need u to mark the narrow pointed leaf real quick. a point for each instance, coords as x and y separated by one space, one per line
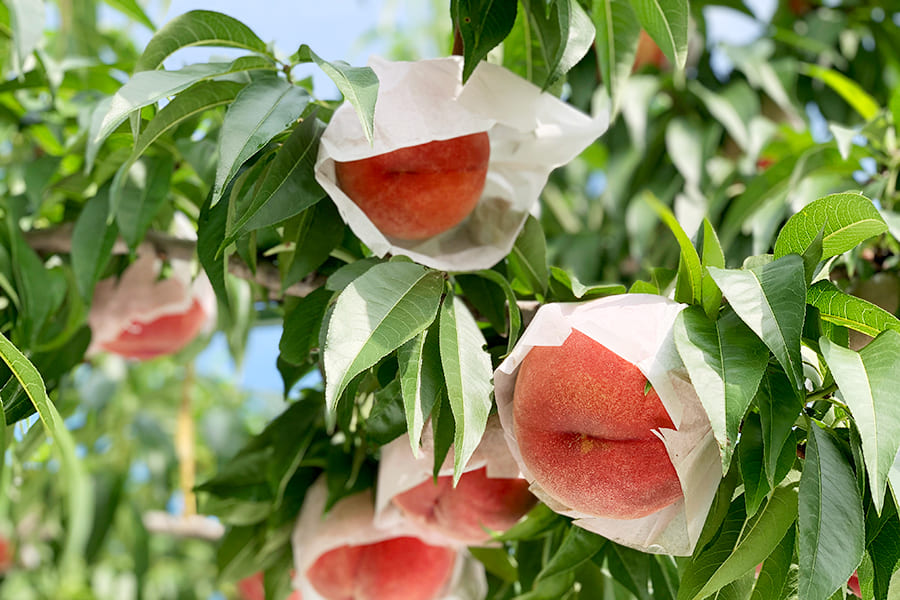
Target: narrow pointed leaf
750 459
483 24
144 189
831 533
842 309
779 406
849 90
359 86
92 242
377 313
726 362
690 266
420 381
146 88
133 10
771 300
618 31
667 23
845 220
467 372
712 255
197 28
562 33
869 381
758 540
578 547
772 581
289 186
708 558
79 507
260 111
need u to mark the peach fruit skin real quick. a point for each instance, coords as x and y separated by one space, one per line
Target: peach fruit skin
165 335
418 192
584 424
478 504
403 568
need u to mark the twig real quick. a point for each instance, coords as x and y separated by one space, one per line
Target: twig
184 444
58 240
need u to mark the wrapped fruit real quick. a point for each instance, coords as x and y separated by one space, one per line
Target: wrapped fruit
601 416
454 169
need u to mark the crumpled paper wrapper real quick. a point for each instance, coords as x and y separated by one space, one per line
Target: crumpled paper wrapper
637 327
350 523
399 471
531 133
140 296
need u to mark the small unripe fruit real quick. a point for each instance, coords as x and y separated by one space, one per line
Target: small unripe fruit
585 420
418 192
403 568
478 504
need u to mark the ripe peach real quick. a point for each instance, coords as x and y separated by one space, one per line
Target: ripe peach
584 422
253 588
477 503
648 53
418 192
164 335
403 568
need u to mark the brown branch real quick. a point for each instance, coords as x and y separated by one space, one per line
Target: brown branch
58 240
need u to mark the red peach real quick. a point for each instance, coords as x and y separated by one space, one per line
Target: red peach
477 503
164 335
253 588
403 568
584 422
418 192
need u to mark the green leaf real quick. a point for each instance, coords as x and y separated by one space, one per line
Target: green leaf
733 106
845 220
89 257
79 507
482 24
772 581
868 381
618 31
573 289
300 333
359 85
467 372
210 231
191 103
528 259
563 33
260 111
831 534
146 88
144 189
759 538
578 547
849 90
289 186
709 557
690 260
712 256
630 568
377 313
131 9
726 362
197 28
845 310
320 230
667 23
771 300
751 461
515 315
779 405
27 24
421 380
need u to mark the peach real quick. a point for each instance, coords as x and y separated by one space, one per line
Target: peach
585 420
403 568
477 505
164 335
417 192
253 588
